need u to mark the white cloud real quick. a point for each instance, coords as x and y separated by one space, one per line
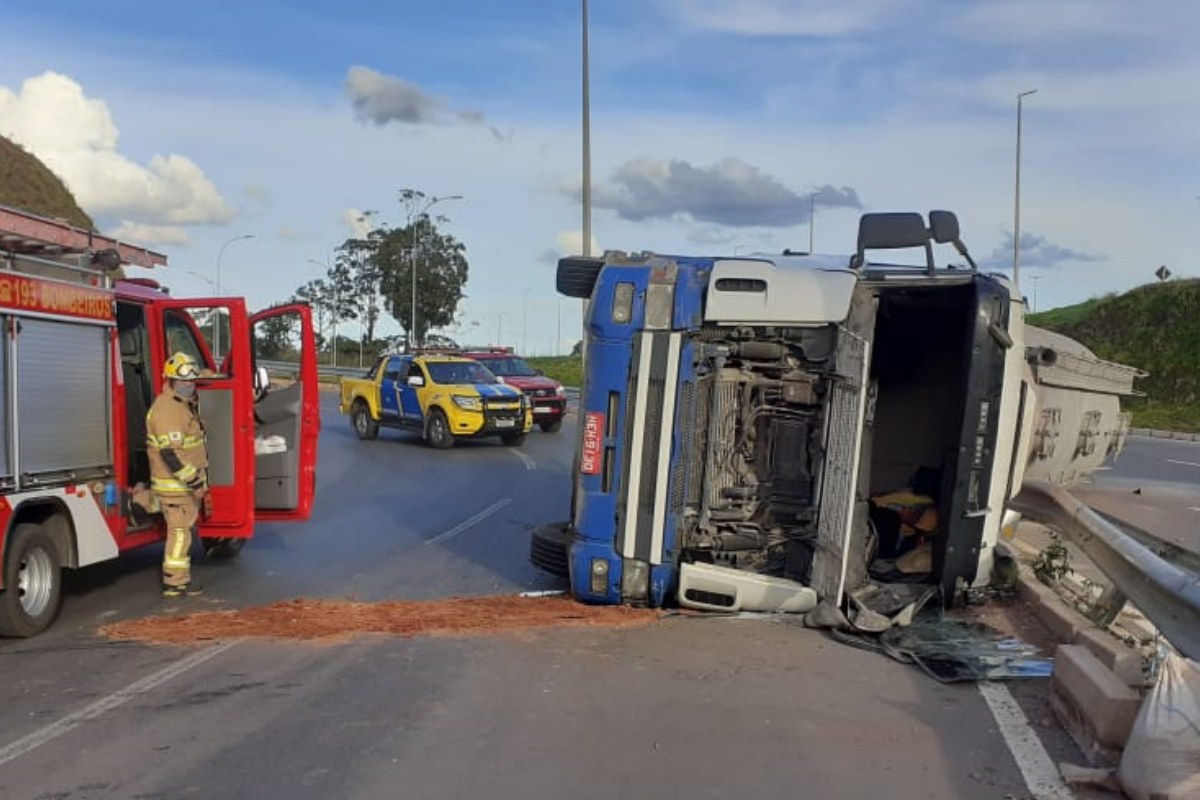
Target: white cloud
357 222
144 234
77 137
783 17
570 243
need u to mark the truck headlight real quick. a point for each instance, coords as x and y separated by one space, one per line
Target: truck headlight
599 571
466 402
635 580
622 309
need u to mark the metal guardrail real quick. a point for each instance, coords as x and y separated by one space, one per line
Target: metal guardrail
1167 593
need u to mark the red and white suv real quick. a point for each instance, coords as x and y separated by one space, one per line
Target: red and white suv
547 395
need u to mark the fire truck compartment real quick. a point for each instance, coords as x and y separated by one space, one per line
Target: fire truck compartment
58 398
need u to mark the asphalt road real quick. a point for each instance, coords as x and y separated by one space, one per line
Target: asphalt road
705 708
1154 485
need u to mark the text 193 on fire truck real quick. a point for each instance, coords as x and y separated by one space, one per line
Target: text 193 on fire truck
772 432
81 361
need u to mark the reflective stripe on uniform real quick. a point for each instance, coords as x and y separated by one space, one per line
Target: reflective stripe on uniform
186 472
169 486
192 441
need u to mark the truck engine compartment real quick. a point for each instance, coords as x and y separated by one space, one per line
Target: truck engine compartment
763 427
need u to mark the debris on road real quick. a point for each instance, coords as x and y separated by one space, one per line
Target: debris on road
340 619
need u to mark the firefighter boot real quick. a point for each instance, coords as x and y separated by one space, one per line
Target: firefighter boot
183 590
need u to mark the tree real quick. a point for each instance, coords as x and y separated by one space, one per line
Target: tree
273 338
441 271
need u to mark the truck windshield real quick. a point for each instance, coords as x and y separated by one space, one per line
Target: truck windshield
451 372
510 366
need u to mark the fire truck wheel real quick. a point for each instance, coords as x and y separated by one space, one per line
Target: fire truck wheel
223 548
32 582
554 426
364 426
437 430
512 439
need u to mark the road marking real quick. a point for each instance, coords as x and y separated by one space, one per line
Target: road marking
1184 463
118 698
469 523
1039 772
1193 508
529 462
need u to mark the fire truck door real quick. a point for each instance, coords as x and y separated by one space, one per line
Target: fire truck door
198 327
287 415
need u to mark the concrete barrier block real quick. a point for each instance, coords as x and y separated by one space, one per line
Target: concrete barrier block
1095 707
1064 622
1122 660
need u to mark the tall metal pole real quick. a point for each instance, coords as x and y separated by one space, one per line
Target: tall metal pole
587 170
220 253
1017 200
333 315
812 214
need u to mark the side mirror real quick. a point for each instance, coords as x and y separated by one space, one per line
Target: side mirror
262 381
944 227
416 381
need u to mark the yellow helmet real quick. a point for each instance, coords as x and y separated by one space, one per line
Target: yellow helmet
181 367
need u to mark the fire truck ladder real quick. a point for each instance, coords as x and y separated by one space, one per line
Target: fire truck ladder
48 248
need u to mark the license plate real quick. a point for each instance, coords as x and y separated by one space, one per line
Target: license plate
543 410
506 423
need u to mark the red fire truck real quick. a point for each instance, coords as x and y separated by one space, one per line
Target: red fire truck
81 357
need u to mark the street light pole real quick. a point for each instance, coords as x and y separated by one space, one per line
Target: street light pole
499 329
220 253
416 240
1017 200
1035 279
333 314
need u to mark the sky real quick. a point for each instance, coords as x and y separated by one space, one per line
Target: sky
715 126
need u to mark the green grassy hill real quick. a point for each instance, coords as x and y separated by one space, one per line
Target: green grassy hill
1154 327
28 184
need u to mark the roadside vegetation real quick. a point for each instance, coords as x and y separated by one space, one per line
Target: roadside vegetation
29 185
1156 328
567 370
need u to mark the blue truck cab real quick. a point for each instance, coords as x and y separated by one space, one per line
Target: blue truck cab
741 417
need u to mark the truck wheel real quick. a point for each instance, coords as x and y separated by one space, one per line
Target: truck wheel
223 548
554 426
437 431
512 439
364 426
32 582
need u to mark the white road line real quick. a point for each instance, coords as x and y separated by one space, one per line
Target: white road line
469 523
68 723
1184 463
1193 508
530 464
1041 776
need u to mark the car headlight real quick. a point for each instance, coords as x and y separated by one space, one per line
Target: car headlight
466 402
560 392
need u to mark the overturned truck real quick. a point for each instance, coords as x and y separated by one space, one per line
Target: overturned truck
770 432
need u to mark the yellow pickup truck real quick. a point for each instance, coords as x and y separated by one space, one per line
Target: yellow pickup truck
444 398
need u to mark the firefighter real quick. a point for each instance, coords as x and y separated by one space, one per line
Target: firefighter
178 468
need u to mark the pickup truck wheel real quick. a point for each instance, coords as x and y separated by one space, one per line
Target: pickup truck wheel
32 582
360 418
512 439
553 426
437 430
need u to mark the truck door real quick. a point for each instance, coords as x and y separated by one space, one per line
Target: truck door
967 479
410 403
226 402
287 418
389 386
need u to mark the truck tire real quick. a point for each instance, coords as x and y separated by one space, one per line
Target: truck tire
360 417
32 582
437 430
223 548
576 276
553 426
512 439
